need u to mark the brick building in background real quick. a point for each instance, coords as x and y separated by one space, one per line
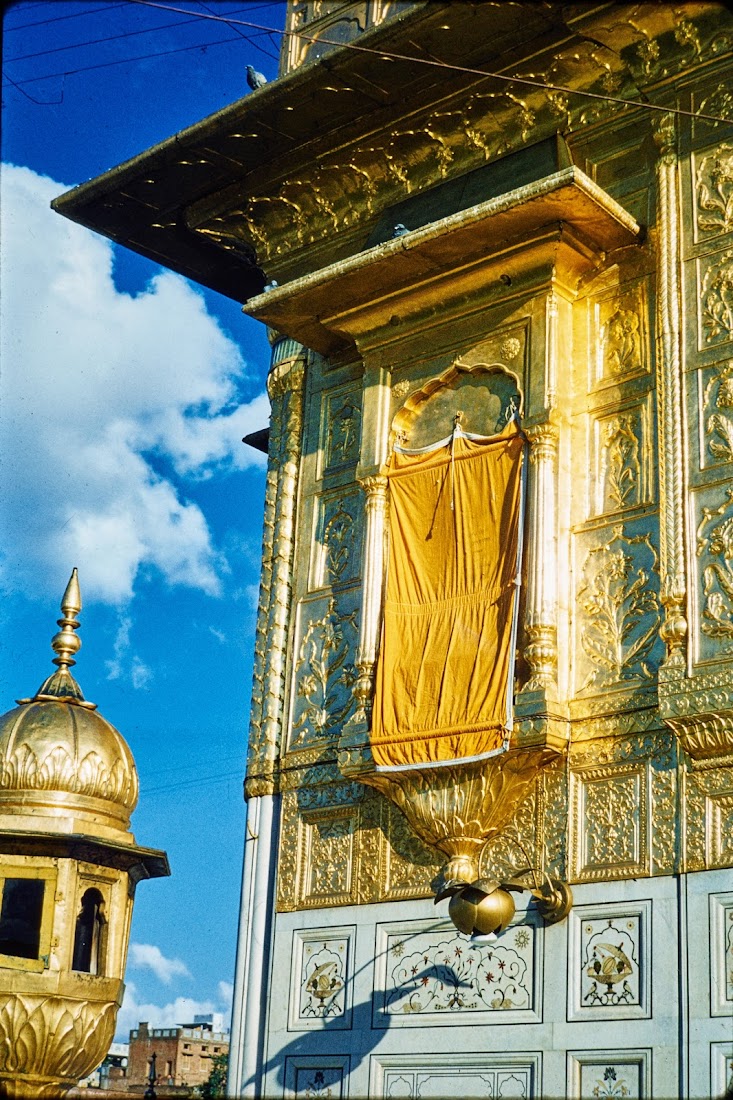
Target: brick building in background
185 1054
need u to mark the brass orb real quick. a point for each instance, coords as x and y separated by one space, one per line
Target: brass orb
481 908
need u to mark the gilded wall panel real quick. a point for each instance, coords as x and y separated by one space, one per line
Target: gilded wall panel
324 673
336 548
327 864
617 606
715 299
708 813
408 867
609 822
622 443
714 566
340 430
716 414
712 174
620 334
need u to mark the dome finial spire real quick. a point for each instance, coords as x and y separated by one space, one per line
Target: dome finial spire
61 684
66 643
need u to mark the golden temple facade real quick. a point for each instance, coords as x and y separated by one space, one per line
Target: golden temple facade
469 214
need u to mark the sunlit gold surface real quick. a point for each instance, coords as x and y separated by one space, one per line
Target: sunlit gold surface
620 344
68 785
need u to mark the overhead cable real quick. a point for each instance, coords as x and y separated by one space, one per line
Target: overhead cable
391 56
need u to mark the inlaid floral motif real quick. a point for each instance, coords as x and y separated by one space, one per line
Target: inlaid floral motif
610 963
323 979
612 1084
449 975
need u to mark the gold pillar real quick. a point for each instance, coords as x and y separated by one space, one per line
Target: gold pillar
669 401
285 388
541 596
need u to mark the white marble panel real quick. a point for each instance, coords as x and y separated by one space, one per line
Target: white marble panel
611 1073
430 974
320 985
610 967
721 1069
721 954
314 1078
470 1076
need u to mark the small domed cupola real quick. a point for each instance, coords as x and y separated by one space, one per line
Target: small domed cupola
57 752
68 870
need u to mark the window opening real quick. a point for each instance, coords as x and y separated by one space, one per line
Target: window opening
89 935
20 917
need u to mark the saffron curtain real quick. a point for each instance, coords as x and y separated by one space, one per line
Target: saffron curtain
443 674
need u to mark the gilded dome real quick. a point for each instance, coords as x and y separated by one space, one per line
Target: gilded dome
58 753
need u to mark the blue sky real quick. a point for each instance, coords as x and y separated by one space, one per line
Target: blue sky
125 394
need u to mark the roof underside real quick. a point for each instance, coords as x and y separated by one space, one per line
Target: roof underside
176 203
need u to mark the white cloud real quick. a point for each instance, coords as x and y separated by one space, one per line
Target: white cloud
180 1011
146 956
101 391
124 665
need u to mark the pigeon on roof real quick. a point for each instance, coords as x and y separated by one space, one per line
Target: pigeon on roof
254 79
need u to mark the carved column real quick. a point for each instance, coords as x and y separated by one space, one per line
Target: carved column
285 387
375 542
669 400
541 596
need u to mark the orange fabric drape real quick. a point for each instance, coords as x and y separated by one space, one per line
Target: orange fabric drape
444 661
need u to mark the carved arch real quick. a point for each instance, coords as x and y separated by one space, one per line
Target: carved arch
486 393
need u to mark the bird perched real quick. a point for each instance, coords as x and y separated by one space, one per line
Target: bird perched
254 79
399 230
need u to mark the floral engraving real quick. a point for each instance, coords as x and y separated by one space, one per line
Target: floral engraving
618 595
621 468
715 191
719 102
343 426
621 343
612 809
715 545
323 979
719 424
324 675
610 966
716 297
331 844
454 1079
450 975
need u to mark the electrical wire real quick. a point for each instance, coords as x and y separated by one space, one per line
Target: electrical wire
391 56
38 102
97 41
58 18
140 57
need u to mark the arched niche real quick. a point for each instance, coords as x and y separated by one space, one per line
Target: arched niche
486 395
